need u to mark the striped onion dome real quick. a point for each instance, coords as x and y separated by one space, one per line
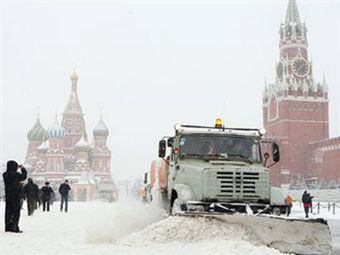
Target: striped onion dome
56 131
37 133
82 145
101 129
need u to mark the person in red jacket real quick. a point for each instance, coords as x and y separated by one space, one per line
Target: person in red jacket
307 202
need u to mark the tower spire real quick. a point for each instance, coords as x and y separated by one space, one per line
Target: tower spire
73 104
292 12
74 77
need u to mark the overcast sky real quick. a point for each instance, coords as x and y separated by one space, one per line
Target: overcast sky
148 65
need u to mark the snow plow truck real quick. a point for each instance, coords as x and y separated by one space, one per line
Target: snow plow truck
222 173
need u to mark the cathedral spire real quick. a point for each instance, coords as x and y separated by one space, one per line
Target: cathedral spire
74 77
73 104
292 12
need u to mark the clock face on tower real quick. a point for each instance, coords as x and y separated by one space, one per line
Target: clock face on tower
300 67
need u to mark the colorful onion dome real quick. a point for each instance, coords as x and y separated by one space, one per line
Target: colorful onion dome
37 133
56 131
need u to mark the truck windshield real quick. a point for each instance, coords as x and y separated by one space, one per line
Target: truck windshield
220 147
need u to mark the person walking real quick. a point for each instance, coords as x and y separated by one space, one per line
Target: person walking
306 200
64 189
12 179
46 196
31 191
289 202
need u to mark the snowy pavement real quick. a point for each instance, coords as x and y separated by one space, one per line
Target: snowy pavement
128 228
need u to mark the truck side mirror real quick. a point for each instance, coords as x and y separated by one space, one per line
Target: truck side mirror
145 178
162 148
276 152
171 142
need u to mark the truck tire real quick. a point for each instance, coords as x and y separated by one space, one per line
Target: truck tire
276 211
176 207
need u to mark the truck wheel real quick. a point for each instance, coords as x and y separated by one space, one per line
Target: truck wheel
176 207
276 211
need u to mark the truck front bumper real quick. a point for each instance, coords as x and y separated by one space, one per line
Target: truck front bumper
224 207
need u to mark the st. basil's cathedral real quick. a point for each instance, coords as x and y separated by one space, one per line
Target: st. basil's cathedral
62 152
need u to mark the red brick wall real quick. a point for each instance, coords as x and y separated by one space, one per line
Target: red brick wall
324 160
297 124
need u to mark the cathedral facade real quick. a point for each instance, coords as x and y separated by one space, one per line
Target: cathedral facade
295 111
62 152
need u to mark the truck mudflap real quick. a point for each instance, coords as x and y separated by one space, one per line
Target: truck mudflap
288 235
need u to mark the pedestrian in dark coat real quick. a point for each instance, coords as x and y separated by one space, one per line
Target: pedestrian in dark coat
12 180
306 200
46 196
64 189
32 194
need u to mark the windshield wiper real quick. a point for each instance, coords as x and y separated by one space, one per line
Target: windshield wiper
218 156
241 157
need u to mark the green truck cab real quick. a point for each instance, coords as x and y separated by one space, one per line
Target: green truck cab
217 169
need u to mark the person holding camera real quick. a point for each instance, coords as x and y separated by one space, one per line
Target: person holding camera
12 179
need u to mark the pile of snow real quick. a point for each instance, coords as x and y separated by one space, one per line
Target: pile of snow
199 236
133 226
189 229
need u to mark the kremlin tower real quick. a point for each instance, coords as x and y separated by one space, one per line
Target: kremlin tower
295 109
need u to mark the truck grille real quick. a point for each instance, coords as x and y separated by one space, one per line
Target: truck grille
237 185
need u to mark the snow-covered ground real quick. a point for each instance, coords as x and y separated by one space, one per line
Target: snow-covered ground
130 228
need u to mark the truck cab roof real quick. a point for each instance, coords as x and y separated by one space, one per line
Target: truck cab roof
189 129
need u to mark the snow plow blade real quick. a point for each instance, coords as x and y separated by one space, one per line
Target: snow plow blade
288 235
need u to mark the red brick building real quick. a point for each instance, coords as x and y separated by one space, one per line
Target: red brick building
295 111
